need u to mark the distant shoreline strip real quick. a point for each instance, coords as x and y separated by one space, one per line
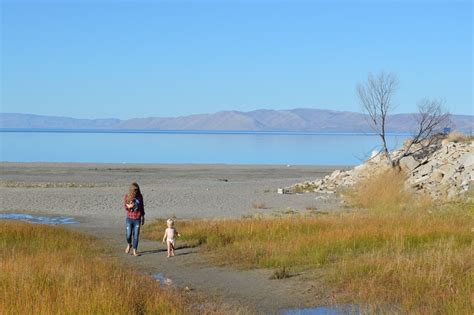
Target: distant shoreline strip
199 132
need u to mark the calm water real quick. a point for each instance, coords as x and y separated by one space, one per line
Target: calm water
55 220
190 147
325 310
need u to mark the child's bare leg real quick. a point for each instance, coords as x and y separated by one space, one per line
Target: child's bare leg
172 249
169 248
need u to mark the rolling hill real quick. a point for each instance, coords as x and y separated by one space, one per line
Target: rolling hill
300 119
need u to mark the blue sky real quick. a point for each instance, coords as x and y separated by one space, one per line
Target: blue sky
151 58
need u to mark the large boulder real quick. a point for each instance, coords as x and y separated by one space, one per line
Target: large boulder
449 170
409 163
467 159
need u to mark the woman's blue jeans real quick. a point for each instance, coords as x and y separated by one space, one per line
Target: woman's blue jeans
133 231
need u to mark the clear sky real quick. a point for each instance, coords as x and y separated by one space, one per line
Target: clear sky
153 58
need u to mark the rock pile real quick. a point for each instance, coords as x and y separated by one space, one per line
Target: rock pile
443 170
446 173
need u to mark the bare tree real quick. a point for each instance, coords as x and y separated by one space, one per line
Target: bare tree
431 119
376 97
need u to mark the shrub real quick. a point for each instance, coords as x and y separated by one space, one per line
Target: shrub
384 193
259 205
280 273
457 136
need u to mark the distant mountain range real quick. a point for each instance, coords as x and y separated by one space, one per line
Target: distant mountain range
301 119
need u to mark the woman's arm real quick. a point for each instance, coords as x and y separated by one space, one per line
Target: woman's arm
142 209
125 203
142 206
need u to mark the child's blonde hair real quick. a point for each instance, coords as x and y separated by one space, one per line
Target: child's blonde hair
170 222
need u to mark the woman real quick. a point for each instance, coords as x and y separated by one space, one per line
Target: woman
133 203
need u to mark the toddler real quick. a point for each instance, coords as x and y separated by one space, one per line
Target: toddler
133 206
169 236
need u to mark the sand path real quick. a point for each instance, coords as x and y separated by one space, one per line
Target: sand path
251 290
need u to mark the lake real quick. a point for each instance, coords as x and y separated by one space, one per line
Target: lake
194 147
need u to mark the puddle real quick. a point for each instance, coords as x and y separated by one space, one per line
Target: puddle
163 280
325 310
38 219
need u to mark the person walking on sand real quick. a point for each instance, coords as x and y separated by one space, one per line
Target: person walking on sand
170 234
133 203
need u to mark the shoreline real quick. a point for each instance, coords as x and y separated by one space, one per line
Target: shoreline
155 165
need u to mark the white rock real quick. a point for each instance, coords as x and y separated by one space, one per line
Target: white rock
467 159
335 173
409 163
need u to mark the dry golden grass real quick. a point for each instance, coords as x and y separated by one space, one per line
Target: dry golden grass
50 270
397 250
457 136
384 193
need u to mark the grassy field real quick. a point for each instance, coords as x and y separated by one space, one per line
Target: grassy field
50 270
396 249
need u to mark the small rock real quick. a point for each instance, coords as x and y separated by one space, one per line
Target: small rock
422 179
437 176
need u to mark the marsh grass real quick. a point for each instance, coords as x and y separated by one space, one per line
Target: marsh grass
394 249
51 270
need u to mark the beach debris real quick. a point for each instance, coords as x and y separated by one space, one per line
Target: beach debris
15 184
259 205
444 170
160 277
321 197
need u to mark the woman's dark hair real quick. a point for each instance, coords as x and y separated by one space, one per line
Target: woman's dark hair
134 191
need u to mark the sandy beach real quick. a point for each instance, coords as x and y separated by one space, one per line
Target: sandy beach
183 191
